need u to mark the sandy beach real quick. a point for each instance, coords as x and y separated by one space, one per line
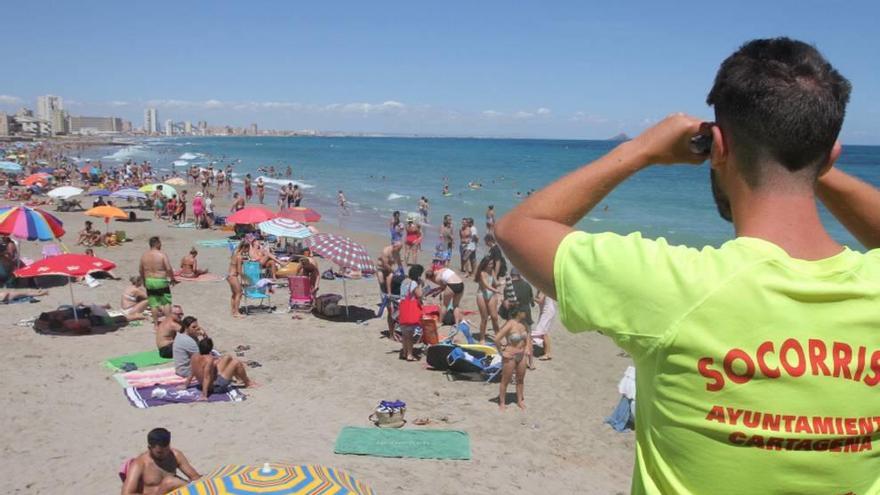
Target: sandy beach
69 425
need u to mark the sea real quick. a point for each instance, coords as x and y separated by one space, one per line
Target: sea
380 175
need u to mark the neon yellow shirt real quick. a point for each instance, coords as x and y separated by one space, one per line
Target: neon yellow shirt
756 372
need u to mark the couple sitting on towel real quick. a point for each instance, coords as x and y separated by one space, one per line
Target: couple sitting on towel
192 350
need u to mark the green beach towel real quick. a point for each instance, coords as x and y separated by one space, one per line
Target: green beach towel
140 359
213 243
419 444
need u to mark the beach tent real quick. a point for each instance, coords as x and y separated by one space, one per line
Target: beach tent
271 478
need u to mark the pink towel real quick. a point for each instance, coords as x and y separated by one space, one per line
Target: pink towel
148 378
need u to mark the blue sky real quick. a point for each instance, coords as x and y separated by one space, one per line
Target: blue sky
534 69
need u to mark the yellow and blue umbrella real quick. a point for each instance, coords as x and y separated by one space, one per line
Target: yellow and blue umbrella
276 479
32 224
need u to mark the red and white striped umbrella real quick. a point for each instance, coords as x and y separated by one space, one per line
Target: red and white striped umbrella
341 250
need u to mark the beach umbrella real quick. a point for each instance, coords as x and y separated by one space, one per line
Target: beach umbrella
176 181
301 214
251 215
180 163
45 170
35 178
100 192
106 212
271 478
68 265
128 193
33 224
167 190
10 166
64 192
285 227
344 252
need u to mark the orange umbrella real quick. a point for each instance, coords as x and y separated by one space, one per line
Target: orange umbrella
106 212
33 179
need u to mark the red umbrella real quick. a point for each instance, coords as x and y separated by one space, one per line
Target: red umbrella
70 265
251 215
301 214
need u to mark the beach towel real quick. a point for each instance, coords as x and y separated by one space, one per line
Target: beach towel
140 359
149 377
143 398
418 444
213 243
205 277
188 225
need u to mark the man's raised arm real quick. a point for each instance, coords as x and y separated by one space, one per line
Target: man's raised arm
531 233
855 204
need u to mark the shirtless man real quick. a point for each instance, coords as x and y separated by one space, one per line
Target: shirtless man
215 374
158 276
237 203
167 330
155 471
189 265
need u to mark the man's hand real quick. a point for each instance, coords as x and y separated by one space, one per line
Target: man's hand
668 141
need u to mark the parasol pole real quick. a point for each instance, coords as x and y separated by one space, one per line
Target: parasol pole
345 295
72 301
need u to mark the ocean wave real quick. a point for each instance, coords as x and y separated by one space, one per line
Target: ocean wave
393 196
125 153
190 156
269 182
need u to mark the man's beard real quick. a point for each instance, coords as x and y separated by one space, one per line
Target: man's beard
721 199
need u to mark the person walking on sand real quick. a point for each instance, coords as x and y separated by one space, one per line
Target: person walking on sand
233 276
155 471
771 328
248 190
158 276
447 238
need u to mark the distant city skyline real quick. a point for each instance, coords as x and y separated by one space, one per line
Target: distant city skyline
567 70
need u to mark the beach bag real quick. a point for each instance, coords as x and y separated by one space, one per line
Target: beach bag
328 275
389 414
410 310
429 329
328 305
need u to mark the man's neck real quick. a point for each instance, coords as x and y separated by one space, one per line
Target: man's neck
790 221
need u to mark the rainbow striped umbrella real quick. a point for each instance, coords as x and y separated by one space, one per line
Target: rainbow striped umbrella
32 224
276 479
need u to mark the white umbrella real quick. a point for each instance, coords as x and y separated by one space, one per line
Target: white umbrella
285 227
128 194
64 192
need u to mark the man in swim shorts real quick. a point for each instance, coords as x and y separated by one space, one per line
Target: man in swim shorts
167 330
158 276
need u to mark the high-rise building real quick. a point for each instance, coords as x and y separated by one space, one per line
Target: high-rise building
151 121
59 122
188 127
85 125
126 126
47 105
4 124
253 130
169 127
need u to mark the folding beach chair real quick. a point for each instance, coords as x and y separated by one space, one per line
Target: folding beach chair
460 361
253 289
300 293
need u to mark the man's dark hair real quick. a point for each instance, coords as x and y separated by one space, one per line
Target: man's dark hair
779 100
154 241
206 345
415 271
159 437
187 321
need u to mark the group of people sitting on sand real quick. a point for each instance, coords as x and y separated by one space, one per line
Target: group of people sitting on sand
91 237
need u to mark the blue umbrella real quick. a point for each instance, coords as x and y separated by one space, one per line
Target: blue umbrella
99 192
10 166
128 194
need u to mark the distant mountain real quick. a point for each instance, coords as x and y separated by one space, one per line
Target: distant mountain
620 137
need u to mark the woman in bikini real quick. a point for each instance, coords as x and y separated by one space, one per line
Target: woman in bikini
487 296
516 349
451 287
396 230
413 241
234 276
134 297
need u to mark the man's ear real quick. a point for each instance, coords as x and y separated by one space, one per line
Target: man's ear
720 151
832 158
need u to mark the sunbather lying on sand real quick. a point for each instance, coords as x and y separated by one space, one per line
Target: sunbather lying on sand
7 297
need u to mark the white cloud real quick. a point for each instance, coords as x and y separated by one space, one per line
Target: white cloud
523 115
10 100
543 111
588 118
492 114
118 103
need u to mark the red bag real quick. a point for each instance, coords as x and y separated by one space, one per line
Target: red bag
410 310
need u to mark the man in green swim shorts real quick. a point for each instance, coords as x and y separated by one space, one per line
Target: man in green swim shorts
158 276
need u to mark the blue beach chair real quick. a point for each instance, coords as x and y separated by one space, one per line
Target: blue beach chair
253 290
461 361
